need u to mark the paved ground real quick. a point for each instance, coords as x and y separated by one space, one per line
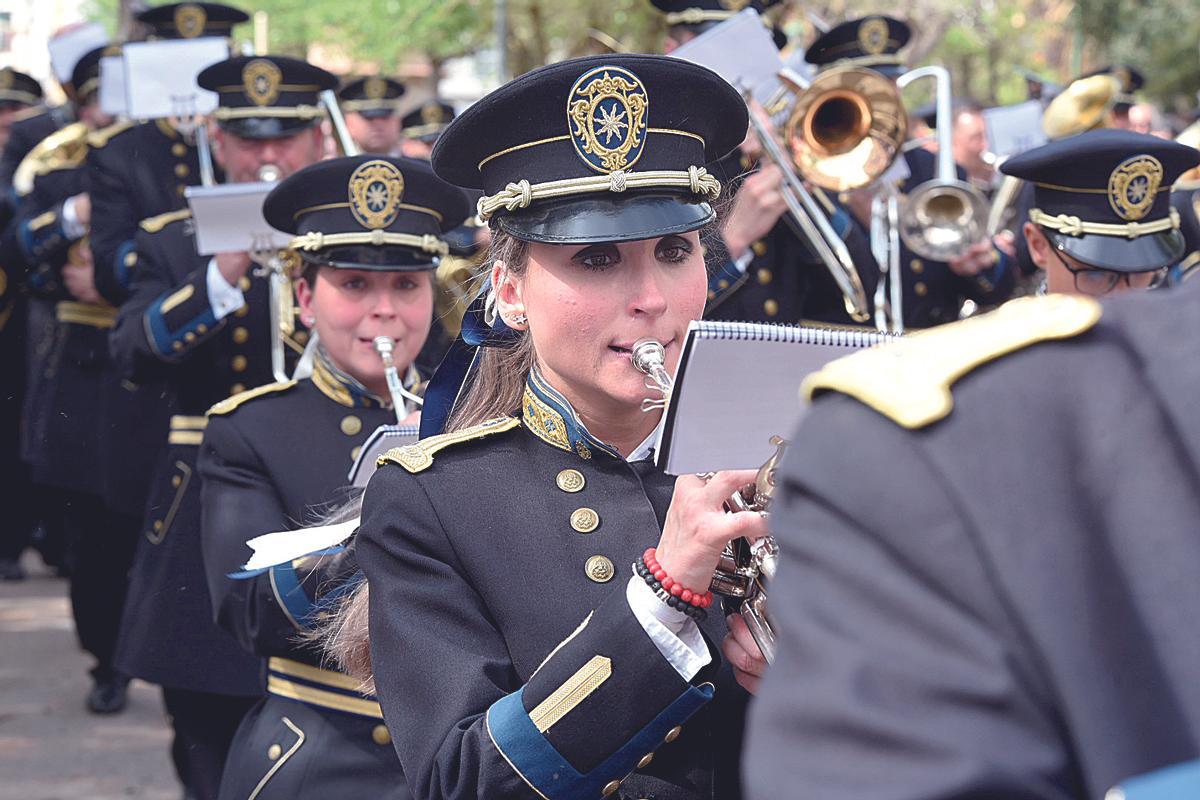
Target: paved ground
50 747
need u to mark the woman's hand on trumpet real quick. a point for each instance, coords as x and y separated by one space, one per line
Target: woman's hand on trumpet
698 526
743 654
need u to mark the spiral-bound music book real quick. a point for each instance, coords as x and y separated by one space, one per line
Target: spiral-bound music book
383 439
738 384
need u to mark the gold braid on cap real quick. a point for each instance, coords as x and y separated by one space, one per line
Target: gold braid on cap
1074 226
696 16
522 193
314 240
282 112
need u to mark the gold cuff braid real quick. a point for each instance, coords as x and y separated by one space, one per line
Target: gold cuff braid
1074 226
522 193
314 240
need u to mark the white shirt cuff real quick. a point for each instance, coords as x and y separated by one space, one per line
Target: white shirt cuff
222 298
741 264
674 633
72 228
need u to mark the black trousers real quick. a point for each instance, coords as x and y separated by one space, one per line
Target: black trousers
100 547
204 725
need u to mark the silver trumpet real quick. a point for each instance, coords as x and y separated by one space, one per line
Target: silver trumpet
275 265
745 567
404 402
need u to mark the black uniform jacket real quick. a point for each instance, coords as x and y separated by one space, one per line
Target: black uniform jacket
998 599
135 171
167 332
70 362
275 458
506 656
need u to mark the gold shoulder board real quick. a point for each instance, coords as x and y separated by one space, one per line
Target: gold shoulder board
229 404
419 456
156 224
101 137
909 380
66 148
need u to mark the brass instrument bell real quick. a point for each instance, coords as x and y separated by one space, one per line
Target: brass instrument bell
1085 104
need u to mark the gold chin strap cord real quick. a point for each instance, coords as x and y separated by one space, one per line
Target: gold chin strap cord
315 241
1074 226
522 193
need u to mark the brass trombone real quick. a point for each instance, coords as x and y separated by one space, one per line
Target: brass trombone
942 217
844 130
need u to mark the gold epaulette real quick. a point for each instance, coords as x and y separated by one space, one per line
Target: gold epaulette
419 456
909 380
104 135
229 404
156 224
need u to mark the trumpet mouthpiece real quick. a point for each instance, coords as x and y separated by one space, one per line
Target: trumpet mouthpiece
384 345
269 173
647 354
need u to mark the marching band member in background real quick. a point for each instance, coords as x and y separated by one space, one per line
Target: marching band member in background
202 325
371 106
1102 219
277 456
514 649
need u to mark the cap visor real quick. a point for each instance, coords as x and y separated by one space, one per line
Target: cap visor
588 220
266 127
372 259
1149 252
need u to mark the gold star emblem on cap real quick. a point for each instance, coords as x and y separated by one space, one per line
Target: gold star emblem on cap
432 114
375 190
873 35
606 111
260 80
190 20
375 88
1133 185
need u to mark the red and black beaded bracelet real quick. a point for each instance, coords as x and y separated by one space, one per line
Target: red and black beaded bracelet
670 591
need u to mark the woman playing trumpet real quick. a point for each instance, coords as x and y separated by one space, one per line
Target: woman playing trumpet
367 231
515 651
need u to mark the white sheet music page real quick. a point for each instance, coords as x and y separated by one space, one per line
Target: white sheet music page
741 51
229 218
383 439
738 384
160 77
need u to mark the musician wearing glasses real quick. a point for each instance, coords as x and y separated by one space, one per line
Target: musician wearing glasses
1101 219
202 326
368 232
539 617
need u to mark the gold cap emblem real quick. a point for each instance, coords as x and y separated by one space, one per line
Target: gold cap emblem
260 80
873 35
375 88
190 20
1133 185
606 113
432 114
375 191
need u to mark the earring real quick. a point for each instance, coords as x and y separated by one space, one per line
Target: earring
520 319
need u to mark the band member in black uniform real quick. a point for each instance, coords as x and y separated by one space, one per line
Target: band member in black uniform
30 124
372 106
19 92
768 272
143 169
49 240
202 325
516 653
1019 624
933 291
258 476
1102 219
421 127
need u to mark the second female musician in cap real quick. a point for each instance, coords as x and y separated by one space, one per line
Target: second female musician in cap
368 234
516 650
